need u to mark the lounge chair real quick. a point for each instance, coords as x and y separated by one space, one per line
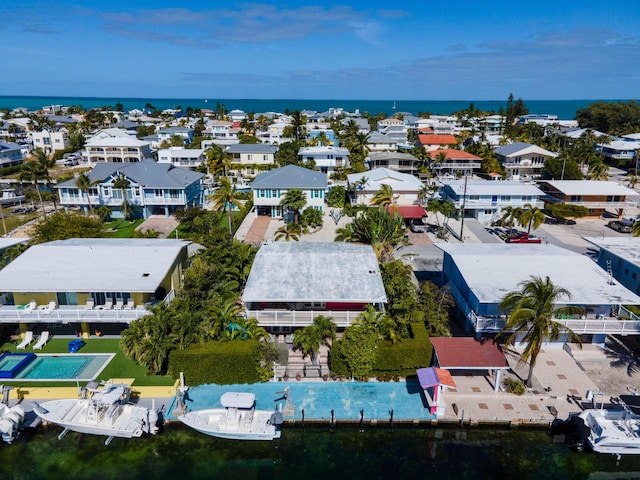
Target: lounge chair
119 304
31 306
90 304
42 340
130 304
49 308
108 304
28 338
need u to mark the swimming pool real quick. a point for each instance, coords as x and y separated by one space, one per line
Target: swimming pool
62 367
346 399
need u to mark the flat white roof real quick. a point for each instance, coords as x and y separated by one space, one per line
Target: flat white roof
627 248
92 265
493 187
590 187
315 272
493 270
6 242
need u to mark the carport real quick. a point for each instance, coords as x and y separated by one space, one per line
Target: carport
467 353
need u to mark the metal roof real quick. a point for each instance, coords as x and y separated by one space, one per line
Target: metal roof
92 265
315 272
493 270
146 173
252 148
290 176
627 248
468 353
590 187
492 187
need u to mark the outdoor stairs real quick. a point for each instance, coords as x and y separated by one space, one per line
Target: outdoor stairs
299 365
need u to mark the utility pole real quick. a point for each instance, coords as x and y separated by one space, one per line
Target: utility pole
464 201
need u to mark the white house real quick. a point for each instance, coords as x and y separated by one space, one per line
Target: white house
50 141
485 199
327 159
406 188
182 157
522 159
269 188
113 145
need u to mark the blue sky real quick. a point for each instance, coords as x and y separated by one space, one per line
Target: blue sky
464 50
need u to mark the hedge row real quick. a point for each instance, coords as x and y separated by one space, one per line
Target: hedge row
223 363
406 357
400 359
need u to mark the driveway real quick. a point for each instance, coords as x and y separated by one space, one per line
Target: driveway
159 223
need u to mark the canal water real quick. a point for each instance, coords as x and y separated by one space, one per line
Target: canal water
312 452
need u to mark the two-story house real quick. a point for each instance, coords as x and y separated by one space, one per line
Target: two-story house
182 157
398 161
50 141
269 188
154 188
485 199
406 188
598 196
250 159
327 158
436 141
454 162
11 154
166 134
113 145
522 159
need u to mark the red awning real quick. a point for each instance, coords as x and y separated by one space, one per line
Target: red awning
407 211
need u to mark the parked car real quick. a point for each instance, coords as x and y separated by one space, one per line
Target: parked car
70 162
417 225
620 226
523 238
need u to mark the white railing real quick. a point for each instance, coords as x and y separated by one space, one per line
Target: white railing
301 318
589 325
621 204
488 203
70 314
445 165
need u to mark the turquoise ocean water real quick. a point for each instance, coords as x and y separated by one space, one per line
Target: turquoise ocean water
564 109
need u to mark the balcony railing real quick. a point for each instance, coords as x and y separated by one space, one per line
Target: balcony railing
301 318
446 165
619 204
70 314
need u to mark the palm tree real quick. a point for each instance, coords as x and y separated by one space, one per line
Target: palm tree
122 183
531 311
635 229
378 228
384 197
345 234
84 183
218 161
224 198
309 339
531 216
510 215
295 200
46 162
598 170
290 231
32 171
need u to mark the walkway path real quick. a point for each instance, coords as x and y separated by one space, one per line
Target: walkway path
257 229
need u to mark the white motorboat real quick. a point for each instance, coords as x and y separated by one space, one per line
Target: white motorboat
101 410
238 420
11 419
615 431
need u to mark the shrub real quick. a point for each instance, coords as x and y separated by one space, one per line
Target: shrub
511 385
223 363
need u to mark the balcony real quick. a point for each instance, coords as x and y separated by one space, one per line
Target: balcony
301 318
70 314
450 165
488 203
593 205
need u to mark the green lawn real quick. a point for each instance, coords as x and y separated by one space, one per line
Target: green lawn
119 367
14 221
123 228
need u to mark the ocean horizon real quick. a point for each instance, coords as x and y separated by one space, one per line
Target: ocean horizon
563 109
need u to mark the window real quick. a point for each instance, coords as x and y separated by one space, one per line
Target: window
174 194
275 193
261 193
158 192
316 193
93 192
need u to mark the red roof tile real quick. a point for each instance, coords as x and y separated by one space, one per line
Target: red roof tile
467 352
453 154
407 211
437 139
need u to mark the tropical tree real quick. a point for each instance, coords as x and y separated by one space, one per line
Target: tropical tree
635 229
309 339
32 172
218 161
531 216
531 318
598 170
62 225
84 183
384 196
345 234
510 215
378 228
46 162
289 231
295 200
224 198
122 183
